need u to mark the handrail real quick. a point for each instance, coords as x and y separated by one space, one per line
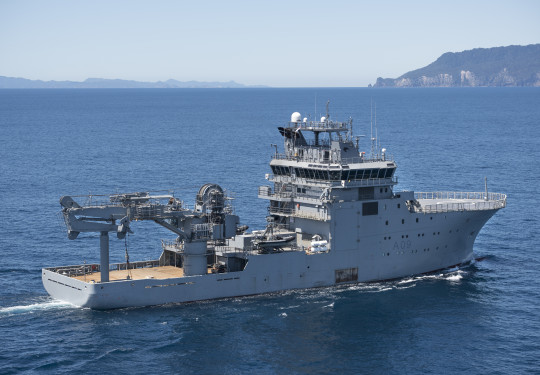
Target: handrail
459 195
346 161
87 269
266 191
460 201
337 183
322 216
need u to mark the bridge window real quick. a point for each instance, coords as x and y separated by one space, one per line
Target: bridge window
334 175
281 170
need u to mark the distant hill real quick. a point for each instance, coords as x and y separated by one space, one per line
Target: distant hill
100 83
499 66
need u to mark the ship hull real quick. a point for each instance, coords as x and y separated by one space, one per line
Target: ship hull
434 242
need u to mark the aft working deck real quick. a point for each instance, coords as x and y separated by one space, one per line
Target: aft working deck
150 269
162 272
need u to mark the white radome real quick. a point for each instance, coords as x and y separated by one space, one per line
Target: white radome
296 117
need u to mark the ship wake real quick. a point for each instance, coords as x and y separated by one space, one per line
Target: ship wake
35 307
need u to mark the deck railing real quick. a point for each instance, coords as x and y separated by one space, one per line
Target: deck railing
335 183
300 213
460 201
343 161
87 269
266 192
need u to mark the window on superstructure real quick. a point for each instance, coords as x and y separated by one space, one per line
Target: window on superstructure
365 193
382 173
370 208
281 170
334 175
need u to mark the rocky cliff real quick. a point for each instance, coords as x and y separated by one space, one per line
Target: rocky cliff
499 66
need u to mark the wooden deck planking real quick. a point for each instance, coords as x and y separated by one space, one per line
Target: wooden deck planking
164 272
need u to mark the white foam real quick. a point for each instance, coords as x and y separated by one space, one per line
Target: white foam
288 307
406 281
407 286
22 309
455 277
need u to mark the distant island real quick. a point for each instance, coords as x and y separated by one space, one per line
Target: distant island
499 66
100 83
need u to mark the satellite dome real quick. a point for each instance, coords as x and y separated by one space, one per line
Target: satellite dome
323 119
296 117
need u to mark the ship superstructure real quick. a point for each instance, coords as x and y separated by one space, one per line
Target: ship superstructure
333 218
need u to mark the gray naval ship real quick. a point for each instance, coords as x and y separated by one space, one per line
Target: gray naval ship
334 218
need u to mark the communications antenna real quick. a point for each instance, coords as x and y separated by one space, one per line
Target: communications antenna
373 140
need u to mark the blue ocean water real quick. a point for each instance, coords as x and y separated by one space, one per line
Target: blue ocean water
483 319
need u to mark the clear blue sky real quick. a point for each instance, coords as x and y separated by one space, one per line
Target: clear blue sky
275 43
